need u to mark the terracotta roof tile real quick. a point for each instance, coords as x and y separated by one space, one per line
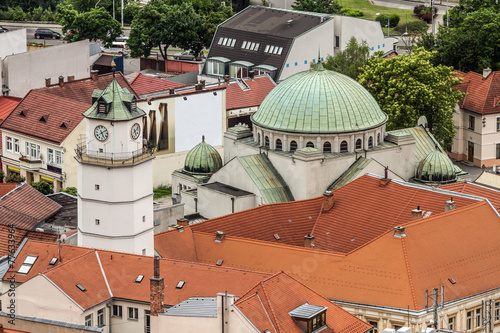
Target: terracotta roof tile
267 306
491 194
6 188
31 206
19 235
238 98
61 104
7 104
144 84
482 93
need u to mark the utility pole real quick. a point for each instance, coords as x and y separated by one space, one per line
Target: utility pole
487 316
435 304
432 16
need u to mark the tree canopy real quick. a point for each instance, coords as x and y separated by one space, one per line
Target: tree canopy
96 24
318 6
407 87
350 60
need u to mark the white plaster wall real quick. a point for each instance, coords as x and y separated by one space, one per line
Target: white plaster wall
206 199
119 137
306 48
69 162
50 62
363 29
400 159
13 42
125 325
169 324
188 199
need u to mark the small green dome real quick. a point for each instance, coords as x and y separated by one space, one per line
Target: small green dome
436 167
203 159
319 101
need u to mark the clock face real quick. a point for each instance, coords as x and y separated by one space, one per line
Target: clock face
135 131
101 133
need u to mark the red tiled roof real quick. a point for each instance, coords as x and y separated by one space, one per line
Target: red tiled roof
144 84
6 188
19 235
62 105
492 195
353 221
267 306
7 104
30 206
122 269
238 98
483 94
388 271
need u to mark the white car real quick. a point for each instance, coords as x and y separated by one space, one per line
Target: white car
186 55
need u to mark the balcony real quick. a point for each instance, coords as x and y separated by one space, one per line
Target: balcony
112 159
30 163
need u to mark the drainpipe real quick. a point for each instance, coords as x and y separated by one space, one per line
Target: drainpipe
232 205
108 305
196 205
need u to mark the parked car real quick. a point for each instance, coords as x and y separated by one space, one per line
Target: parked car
122 38
2 29
46 33
186 55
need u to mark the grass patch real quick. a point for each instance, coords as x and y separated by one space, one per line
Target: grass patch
161 192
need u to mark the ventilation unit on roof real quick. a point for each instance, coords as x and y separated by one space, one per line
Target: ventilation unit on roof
219 236
79 286
452 280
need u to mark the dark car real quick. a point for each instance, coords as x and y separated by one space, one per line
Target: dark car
46 33
2 29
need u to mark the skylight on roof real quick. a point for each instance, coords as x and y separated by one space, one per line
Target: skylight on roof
139 279
27 264
79 286
24 269
53 261
180 285
219 262
30 260
277 236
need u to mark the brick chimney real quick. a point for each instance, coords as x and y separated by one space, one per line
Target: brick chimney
61 81
399 231
226 79
71 78
416 214
449 205
251 75
309 241
486 72
171 91
183 222
157 285
202 83
219 236
198 87
94 75
47 81
328 201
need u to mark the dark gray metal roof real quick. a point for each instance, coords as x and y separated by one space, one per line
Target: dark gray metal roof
55 323
231 190
307 311
194 307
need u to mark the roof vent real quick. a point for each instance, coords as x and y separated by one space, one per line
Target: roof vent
416 214
309 241
449 205
65 124
61 81
219 236
277 236
452 280
328 201
179 228
486 72
219 262
79 286
399 231
24 113
47 81
44 118
289 22
183 222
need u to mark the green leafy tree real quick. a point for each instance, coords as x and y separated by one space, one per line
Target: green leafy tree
350 60
70 190
43 187
458 13
407 87
14 178
130 11
472 45
318 6
96 24
212 20
201 7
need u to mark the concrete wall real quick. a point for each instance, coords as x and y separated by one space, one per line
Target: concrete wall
69 162
50 62
124 324
13 42
166 216
224 206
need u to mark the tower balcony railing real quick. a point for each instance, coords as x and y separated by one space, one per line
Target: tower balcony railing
116 159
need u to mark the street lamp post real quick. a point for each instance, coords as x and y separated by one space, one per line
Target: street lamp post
388 22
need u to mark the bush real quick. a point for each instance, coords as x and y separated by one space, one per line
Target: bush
162 191
70 190
14 178
394 20
47 15
37 13
413 27
426 17
18 14
43 187
2 175
353 12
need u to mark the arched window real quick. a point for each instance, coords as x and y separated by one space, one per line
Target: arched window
358 144
343 147
266 141
378 138
258 139
327 147
310 144
293 145
370 142
279 146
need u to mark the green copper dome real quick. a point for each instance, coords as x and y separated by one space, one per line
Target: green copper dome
436 167
203 159
319 101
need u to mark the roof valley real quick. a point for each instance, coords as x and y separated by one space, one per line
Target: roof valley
408 270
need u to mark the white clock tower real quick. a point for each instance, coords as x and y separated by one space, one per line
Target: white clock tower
115 176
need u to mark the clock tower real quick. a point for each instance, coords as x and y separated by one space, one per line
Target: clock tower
115 175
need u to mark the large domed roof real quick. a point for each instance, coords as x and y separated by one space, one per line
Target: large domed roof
319 101
436 167
203 159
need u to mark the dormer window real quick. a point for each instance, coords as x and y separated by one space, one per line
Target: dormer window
310 318
102 107
133 105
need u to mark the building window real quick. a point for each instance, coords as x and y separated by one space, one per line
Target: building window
143 252
472 122
293 145
58 157
215 68
88 320
97 187
337 41
478 317
8 143
50 155
309 144
397 327
143 218
97 222
147 321
497 311
370 142
378 138
133 313
498 124
375 326
100 317
451 323
327 147
32 151
359 144
498 150
469 320
343 146
279 145
16 146
266 142
117 311
258 139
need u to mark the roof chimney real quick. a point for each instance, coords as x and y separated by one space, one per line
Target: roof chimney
156 285
219 236
94 74
61 81
171 91
327 201
486 72
183 222
399 231
202 83
309 241
416 214
198 87
226 79
47 81
71 78
251 74
449 205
